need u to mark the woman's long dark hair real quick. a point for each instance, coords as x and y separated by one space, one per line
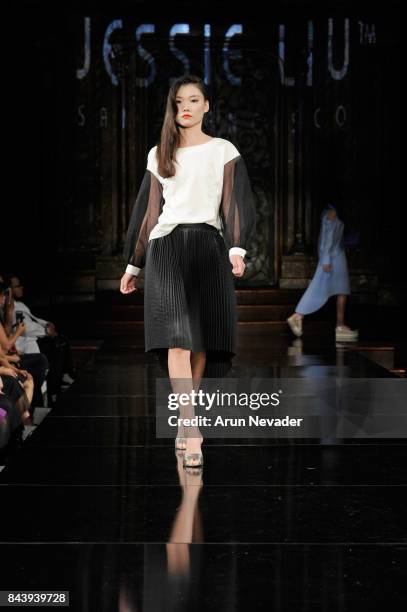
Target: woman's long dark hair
3 288
170 135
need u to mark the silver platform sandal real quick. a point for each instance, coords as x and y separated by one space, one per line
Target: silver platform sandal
193 460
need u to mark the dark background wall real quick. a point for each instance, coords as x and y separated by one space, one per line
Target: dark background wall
76 147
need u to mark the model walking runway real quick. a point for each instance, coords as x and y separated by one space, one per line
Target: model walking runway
190 227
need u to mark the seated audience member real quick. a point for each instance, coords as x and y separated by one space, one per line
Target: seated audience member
16 392
43 337
36 363
25 380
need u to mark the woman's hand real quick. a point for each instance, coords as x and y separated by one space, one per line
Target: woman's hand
326 267
7 371
238 265
20 329
128 283
26 374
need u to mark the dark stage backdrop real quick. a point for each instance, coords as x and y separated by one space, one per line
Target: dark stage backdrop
310 96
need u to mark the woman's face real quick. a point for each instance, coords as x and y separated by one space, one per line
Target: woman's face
191 105
331 214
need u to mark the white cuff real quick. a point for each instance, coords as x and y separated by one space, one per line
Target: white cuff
133 270
237 251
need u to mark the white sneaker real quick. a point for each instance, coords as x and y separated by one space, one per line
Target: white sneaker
295 324
345 334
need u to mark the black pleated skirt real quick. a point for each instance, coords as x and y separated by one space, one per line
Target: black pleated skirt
189 297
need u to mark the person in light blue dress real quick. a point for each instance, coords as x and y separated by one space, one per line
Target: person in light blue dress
331 277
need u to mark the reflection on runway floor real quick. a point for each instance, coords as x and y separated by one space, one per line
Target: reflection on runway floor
95 504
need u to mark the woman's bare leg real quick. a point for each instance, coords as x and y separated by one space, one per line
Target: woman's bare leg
24 402
180 371
198 362
179 366
29 390
179 363
340 309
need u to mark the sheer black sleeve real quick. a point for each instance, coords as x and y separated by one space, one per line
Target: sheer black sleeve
144 217
237 209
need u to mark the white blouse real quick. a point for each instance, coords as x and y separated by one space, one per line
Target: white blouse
209 186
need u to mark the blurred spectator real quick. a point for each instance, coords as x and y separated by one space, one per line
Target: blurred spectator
36 364
16 393
42 336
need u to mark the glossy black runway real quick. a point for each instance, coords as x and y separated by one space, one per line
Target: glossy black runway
96 505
